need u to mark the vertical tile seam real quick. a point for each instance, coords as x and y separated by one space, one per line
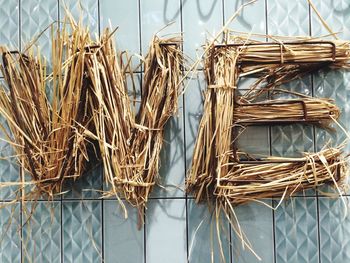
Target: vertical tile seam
315 149
184 134
274 256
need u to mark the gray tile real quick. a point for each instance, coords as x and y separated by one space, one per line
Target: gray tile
296 231
203 237
208 17
334 231
82 231
122 239
155 15
42 232
37 16
255 220
10 229
250 20
166 231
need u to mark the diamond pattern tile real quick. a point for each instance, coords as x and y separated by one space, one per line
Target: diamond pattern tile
42 232
288 17
87 9
334 231
10 225
296 233
335 13
9 23
37 16
82 231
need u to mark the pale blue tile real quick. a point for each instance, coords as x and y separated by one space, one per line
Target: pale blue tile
155 15
251 19
123 241
166 231
334 231
37 16
87 10
255 220
172 158
202 20
335 14
296 231
9 21
113 14
203 240
82 231
193 111
10 232
42 232
288 17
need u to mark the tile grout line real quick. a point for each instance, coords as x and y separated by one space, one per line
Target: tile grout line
270 152
22 190
101 174
315 149
184 137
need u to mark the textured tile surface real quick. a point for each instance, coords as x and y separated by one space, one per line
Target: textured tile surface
42 232
82 231
37 16
91 230
334 231
10 228
296 231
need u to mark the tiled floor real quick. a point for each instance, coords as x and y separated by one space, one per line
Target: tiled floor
80 227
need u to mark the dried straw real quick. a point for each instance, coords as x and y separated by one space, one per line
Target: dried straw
215 154
42 131
130 143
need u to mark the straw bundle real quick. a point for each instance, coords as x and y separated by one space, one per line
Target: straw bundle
215 155
278 176
43 133
130 143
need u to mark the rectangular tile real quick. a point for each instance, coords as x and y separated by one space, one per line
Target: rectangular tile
208 19
37 16
42 232
125 16
288 18
172 158
255 220
155 15
251 19
335 14
296 232
193 111
123 241
87 186
166 231
203 240
9 21
87 10
334 226
10 232
82 231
